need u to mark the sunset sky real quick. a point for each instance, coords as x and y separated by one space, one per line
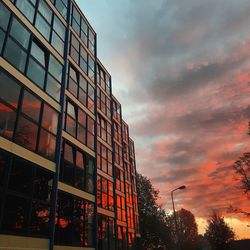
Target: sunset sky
181 70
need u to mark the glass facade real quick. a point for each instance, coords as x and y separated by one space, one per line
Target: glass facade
67 164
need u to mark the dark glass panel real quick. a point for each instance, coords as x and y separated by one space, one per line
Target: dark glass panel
39 218
2 36
42 184
57 43
15 214
38 53
50 119
4 16
55 68
21 176
72 87
82 117
26 8
74 54
89 184
79 160
15 55
7 121
10 90
71 110
4 161
70 126
20 34
83 83
82 97
68 173
78 223
83 65
42 26
68 153
81 134
31 106
47 144
79 178
36 73
90 141
26 133
64 229
53 88
75 43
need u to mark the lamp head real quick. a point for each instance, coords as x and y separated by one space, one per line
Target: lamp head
182 187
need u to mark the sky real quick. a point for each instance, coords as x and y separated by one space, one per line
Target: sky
181 70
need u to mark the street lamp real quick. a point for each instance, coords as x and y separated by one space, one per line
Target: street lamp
175 221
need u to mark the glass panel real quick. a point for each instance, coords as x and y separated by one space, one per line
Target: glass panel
26 133
61 8
15 55
47 144
59 27
38 53
83 83
21 176
81 134
55 68
2 36
36 73
57 43
68 153
31 106
76 15
71 126
7 121
10 90
4 16
15 216
42 26
4 161
71 110
53 88
45 10
20 33
27 9
50 119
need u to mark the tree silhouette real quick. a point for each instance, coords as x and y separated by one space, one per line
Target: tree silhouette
154 231
218 233
187 229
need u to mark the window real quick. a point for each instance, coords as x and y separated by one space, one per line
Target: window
104 159
104 129
27 8
121 209
36 125
79 125
54 32
81 89
106 232
77 168
74 226
105 193
103 103
27 197
103 79
4 16
119 176
42 68
15 54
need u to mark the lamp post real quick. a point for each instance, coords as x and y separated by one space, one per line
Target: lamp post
175 221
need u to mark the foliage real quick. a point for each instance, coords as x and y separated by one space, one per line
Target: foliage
242 168
218 233
154 231
187 229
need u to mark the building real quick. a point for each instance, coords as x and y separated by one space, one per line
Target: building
67 163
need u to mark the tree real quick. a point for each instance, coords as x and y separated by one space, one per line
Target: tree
187 231
242 168
218 233
154 231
